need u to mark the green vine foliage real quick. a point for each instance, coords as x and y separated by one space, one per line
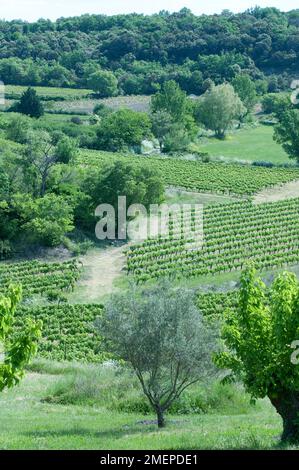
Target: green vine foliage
19 348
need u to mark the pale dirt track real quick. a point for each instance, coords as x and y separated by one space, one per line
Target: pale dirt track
101 268
278 193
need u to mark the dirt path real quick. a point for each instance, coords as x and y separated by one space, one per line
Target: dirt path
101 268
278 193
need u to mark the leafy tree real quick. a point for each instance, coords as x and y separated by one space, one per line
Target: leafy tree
164 339
172 104
41 154
123 129
245 88
259 337
66 149
162 123
276 103
286 132
45 220
30 104
139 185
173 100
218 108
59 76
104 83
18 128
19 348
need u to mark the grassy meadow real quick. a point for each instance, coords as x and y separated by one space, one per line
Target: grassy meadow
248 144
15 92
59 406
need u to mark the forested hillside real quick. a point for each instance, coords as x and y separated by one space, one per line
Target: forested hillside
140 52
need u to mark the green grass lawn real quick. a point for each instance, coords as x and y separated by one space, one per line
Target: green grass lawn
29 423
251 144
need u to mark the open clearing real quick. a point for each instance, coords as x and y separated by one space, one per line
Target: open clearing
248 144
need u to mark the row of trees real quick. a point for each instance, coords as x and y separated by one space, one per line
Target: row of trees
142 77
174 118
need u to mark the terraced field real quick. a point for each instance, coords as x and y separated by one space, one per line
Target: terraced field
232 178
267 234
39 277
215 303
67 332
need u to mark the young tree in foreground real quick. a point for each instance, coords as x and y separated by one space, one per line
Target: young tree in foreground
18 348
163 337
259 336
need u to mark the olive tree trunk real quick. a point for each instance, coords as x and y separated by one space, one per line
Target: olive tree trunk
160 417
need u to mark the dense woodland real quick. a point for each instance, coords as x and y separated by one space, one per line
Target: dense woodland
144 51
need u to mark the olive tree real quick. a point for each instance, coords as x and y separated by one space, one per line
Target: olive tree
163 337
260 335
19 347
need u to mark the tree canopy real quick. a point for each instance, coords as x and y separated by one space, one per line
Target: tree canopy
259 336
218 108
19 347
163 337
145 51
